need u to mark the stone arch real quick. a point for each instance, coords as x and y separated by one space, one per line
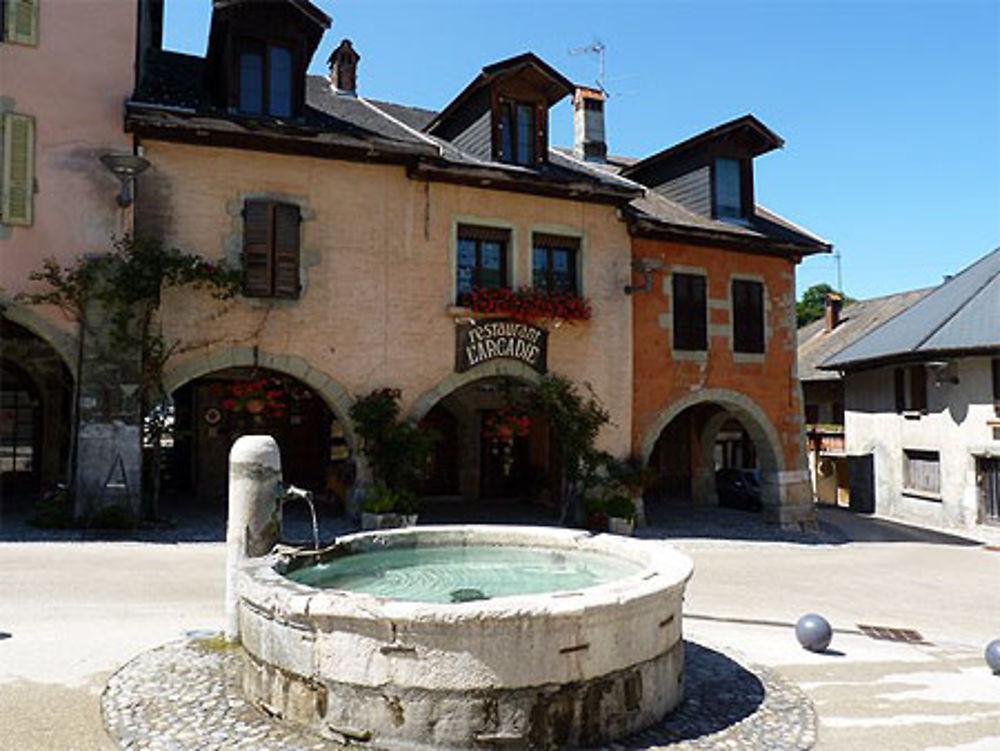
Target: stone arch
333 394
64 343
502 368
748 412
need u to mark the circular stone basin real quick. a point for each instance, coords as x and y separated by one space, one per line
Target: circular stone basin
468 637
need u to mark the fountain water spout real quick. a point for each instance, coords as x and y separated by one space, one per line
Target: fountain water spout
292 493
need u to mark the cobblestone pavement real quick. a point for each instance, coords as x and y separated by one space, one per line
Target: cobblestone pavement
185 696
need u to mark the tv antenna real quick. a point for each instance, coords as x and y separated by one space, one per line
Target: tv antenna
597 48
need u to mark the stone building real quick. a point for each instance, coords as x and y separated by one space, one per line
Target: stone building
362 228
921 394
67 69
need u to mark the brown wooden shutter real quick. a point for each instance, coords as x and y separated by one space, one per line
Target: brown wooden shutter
257 245
21 25
286 250
899 388
18 177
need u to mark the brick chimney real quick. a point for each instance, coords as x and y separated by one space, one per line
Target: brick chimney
588 124
834 302
343 63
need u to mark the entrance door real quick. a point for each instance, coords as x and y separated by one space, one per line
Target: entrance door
504 467
861 477
988 472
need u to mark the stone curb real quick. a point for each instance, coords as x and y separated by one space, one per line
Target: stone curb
185 696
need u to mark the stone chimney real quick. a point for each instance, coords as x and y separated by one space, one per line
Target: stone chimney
834 302
343 64
588 124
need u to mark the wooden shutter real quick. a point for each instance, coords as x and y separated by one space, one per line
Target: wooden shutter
21 25
899 388
918 388
690 312
748 316
18 182
257 256
286 250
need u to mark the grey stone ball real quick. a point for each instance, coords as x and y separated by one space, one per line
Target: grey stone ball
814 632
993 656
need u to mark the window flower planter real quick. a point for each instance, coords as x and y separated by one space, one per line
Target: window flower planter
528 304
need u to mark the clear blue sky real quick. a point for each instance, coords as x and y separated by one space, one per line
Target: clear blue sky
890 110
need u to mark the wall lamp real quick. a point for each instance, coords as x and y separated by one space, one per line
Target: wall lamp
647 267
125 167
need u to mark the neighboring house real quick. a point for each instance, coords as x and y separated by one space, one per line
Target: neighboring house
823 390
715 382
922 421
67 68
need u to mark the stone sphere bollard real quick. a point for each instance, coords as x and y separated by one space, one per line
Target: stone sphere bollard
814 632
993 656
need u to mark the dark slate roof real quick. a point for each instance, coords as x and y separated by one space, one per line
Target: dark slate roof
857 318
171 79
960 316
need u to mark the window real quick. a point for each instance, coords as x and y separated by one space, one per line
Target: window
995 363
481 259
271 249
922 471
17 169
18 425
690 311
812 414
910 389
728 189
264 79
554 263
748 316
517 132
19 19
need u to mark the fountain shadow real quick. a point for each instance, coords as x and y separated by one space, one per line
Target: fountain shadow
719 693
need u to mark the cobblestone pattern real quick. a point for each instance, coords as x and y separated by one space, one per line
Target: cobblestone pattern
185 696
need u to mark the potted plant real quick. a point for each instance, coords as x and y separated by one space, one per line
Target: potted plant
397 454
384 508
620 511
632 479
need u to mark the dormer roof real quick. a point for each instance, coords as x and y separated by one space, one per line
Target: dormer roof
537 73
309 10
745 136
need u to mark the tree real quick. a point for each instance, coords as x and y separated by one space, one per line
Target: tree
813 303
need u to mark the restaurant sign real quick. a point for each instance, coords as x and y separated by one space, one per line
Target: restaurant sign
481 341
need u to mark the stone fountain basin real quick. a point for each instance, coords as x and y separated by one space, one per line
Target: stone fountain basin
534 671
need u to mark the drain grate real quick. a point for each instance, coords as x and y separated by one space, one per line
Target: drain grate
886 633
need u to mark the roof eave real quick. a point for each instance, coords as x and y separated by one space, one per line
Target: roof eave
908 358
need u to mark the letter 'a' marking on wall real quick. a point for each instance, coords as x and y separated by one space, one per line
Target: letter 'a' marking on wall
476 343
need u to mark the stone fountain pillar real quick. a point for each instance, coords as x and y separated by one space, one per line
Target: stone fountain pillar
254 520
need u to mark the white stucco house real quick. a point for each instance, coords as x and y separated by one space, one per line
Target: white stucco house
922 406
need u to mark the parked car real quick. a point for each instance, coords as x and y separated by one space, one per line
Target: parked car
738 488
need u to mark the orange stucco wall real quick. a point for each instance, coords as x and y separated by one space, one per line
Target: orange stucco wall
769 381
377 271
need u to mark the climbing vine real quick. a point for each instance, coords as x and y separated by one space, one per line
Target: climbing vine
120 292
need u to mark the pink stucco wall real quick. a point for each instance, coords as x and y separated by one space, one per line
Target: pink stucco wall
74 83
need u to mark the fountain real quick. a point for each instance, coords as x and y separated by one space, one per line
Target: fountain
456 637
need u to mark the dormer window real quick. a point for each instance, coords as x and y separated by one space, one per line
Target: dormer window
517 132
264 74
728 189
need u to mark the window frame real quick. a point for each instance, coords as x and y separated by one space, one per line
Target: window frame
910 389
272 253
548 243
505 120
480 234
695 337
925 457
9 32
263 47
739 322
